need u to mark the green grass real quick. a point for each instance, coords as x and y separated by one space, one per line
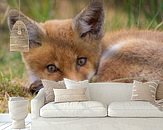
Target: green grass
12 87
119 14
146 14
10 62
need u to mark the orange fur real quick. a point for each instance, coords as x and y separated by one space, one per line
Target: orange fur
122 54
140 55
61 47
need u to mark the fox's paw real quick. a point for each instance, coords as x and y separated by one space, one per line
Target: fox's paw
35 87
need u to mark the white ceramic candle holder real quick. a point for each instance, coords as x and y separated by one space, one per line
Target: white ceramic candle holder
18 110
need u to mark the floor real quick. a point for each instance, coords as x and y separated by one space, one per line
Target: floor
5 122
7 126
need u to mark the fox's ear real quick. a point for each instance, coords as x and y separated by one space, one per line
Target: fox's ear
89 22
35 31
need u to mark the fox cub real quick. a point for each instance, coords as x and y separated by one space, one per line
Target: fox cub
78 49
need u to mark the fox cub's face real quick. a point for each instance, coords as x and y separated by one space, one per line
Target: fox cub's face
64 48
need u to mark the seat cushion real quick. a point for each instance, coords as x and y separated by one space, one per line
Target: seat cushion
133 109
74 109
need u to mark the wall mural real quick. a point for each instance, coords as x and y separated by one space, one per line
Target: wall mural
76 49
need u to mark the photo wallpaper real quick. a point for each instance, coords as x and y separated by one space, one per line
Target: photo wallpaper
118 41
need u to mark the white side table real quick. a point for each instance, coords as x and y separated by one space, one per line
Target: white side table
18 110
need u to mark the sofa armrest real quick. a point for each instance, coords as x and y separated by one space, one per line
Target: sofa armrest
36 103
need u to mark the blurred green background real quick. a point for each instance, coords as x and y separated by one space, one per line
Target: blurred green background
119 14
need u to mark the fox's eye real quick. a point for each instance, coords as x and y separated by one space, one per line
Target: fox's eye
52 68
81 61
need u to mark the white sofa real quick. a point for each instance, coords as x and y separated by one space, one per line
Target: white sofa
122 114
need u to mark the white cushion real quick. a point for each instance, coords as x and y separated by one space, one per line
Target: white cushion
133 109
74 109
144 91
49 85
71 84
70 95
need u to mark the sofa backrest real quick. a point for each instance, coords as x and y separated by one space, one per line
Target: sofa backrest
108 92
